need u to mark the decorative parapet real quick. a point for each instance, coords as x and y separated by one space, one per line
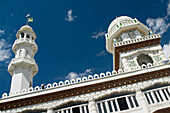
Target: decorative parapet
132 88
146 38
120 25
83 79
25 40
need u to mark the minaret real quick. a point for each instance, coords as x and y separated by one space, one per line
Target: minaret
133 44
23 67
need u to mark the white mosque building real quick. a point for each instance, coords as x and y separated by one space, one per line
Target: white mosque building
139 82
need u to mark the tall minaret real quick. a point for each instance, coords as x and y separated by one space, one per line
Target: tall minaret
23 67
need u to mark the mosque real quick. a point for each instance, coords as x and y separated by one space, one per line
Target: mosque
139 82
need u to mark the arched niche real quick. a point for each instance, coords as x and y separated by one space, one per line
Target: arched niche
144 59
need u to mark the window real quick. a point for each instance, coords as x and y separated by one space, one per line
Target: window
22 35
144 59
20 53
28 36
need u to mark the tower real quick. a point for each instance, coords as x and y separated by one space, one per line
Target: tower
132 44
23 67
141 84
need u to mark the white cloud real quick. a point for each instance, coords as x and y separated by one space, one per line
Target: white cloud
2 32
70 17
168 9
160 25
166 50
102 53
5 52
74 75
96 35
87 72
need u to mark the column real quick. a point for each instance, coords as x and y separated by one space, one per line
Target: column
19 36
50 110
25 34
92 106
141 101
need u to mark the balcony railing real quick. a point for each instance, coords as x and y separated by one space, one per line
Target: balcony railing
74 109
136 40
24 40
157 95
117 104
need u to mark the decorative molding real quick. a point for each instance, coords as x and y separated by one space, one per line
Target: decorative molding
97 90
79 80
131 88
133 46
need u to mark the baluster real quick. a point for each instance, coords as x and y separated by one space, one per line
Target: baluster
85 110
162 95
113 108
128 103
71 111
81 111
107 107
102 107
133 102
149 98
117 105
157 95
62 111
67 111
166 93
153 96
169 90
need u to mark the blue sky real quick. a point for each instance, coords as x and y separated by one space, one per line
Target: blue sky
70 34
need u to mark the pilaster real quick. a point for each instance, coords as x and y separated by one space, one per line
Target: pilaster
50 110
142 102
92 106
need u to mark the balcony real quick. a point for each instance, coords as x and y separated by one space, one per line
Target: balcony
25 41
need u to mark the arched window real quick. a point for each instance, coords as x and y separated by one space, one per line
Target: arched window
144 59
20 53
22 35
28 36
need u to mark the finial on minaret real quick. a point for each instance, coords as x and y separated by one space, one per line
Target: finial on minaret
29 19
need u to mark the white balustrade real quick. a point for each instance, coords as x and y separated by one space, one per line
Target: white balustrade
158 95
113 105
82 109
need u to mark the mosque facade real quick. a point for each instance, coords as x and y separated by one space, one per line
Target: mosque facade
139 82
